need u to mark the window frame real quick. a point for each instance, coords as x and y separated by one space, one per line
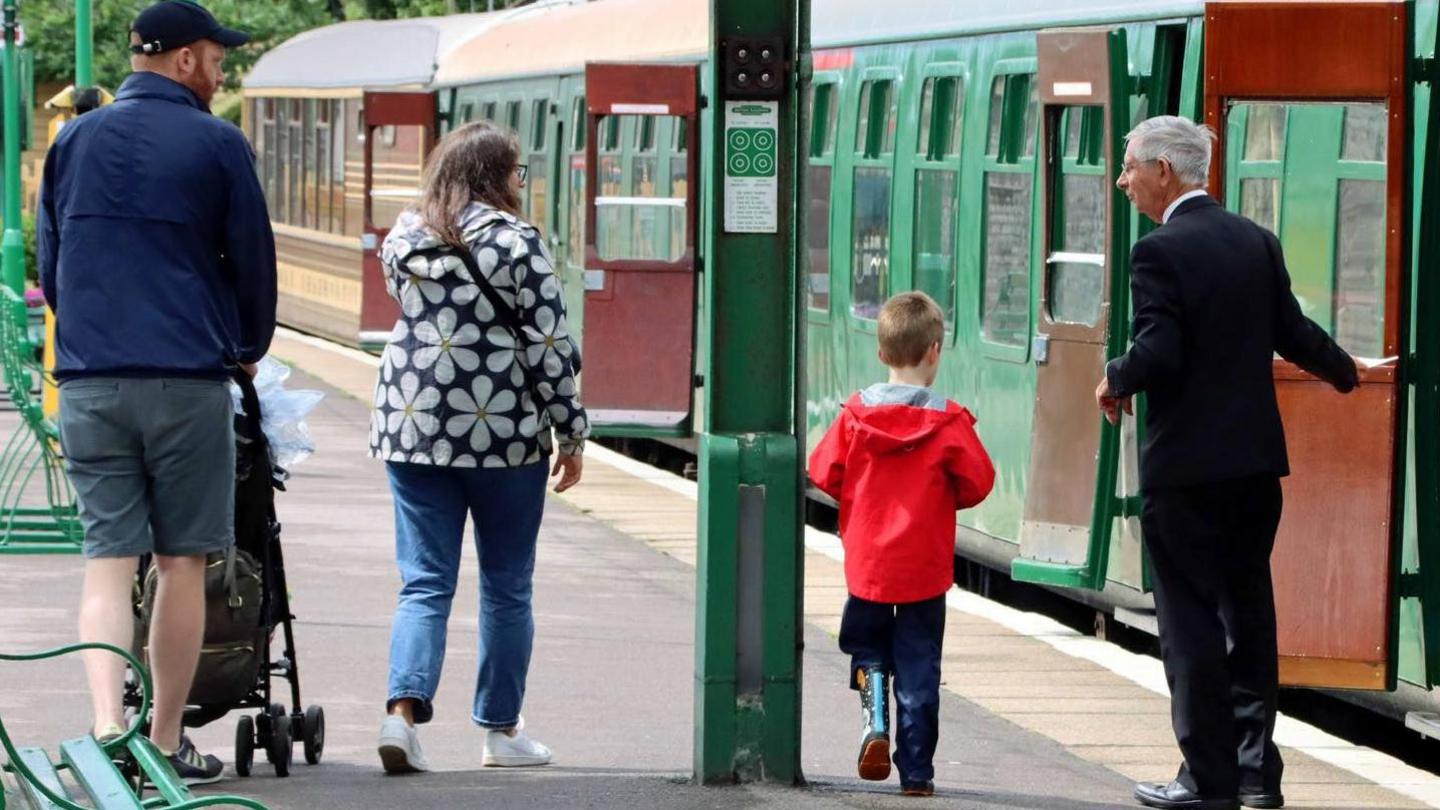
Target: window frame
917 161
1010 158
828 148
860 157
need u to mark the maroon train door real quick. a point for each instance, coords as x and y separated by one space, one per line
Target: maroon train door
399 132
1335 555
640 233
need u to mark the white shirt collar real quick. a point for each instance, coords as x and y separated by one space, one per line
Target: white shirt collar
1189 195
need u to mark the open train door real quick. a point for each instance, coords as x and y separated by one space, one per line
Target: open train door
640 265
1335 557
399 132
1070 495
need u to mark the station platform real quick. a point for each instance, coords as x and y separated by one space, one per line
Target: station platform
1034 715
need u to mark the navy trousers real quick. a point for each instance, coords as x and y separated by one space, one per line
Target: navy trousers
904 641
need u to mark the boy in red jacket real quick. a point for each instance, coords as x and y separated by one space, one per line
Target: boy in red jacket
900 460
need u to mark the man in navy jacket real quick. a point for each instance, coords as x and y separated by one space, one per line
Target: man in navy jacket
1212 308
156 255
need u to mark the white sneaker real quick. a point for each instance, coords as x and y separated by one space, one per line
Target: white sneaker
505 751
400 747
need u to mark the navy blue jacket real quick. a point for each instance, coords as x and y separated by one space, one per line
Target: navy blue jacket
154 243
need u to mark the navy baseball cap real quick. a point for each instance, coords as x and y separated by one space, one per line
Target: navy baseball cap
173 24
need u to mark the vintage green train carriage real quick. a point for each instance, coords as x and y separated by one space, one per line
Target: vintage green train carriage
969 149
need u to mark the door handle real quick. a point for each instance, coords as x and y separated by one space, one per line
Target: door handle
1040 349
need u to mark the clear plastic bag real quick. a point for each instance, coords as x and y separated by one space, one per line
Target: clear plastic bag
282 413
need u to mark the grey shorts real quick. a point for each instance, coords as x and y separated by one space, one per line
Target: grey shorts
153 464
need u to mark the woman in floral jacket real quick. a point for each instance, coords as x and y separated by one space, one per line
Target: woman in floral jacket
472 383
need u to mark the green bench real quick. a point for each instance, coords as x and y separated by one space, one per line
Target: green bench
30 780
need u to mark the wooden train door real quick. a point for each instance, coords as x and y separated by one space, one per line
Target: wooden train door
400 130
1070 491
1344 220
640 256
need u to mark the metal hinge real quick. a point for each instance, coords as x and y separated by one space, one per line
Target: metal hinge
1409 584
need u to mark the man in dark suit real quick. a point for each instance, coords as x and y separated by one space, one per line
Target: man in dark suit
1212 306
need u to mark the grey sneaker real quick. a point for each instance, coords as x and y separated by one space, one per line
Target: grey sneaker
195 768
400 747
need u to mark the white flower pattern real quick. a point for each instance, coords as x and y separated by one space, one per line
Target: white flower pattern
457 386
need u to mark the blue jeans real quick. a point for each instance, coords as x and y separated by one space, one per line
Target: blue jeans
430 508
903 640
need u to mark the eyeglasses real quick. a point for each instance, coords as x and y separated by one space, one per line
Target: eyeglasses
523 170
1129 168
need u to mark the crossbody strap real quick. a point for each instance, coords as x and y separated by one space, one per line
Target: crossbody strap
503 311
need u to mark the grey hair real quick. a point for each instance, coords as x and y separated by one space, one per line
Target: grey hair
1182 143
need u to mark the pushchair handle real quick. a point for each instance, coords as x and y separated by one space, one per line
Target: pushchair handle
249 402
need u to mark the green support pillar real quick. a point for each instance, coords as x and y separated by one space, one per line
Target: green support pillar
12 247
748 622
84 45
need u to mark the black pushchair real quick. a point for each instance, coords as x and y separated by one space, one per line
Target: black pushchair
246 603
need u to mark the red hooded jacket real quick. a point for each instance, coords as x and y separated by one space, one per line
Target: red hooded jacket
899 473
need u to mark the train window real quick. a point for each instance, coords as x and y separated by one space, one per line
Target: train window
1073 121
940 117
937 214
818 175
488 111
386 136
1076 262
512 115
1032 118
539 123
1364 136
467 112
1005 309
870 241
610 133
1260 201
997 116
645 133
578 125
1336 242
1265 132
635 216
1360 267
875 127
823 113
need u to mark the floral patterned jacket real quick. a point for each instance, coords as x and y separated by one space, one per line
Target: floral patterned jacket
456 388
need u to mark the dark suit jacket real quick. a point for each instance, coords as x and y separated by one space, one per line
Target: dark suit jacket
1212 305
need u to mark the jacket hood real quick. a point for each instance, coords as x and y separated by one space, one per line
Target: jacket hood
889 428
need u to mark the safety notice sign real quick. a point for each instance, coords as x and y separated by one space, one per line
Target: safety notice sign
751 154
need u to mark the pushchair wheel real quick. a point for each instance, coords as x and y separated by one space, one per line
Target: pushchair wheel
314 734
281 744
244 745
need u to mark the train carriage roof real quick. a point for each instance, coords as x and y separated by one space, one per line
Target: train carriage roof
564 39
374 53
560 36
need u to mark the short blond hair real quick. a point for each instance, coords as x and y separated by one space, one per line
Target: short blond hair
910 323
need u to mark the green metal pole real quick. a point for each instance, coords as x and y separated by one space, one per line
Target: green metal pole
84 45
748 619
12 248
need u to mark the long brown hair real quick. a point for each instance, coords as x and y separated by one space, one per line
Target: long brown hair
472 163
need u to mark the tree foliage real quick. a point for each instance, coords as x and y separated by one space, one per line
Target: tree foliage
50 28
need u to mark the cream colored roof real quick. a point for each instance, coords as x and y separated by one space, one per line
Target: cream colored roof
376 53
563 39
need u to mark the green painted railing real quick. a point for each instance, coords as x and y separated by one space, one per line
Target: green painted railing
38 514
